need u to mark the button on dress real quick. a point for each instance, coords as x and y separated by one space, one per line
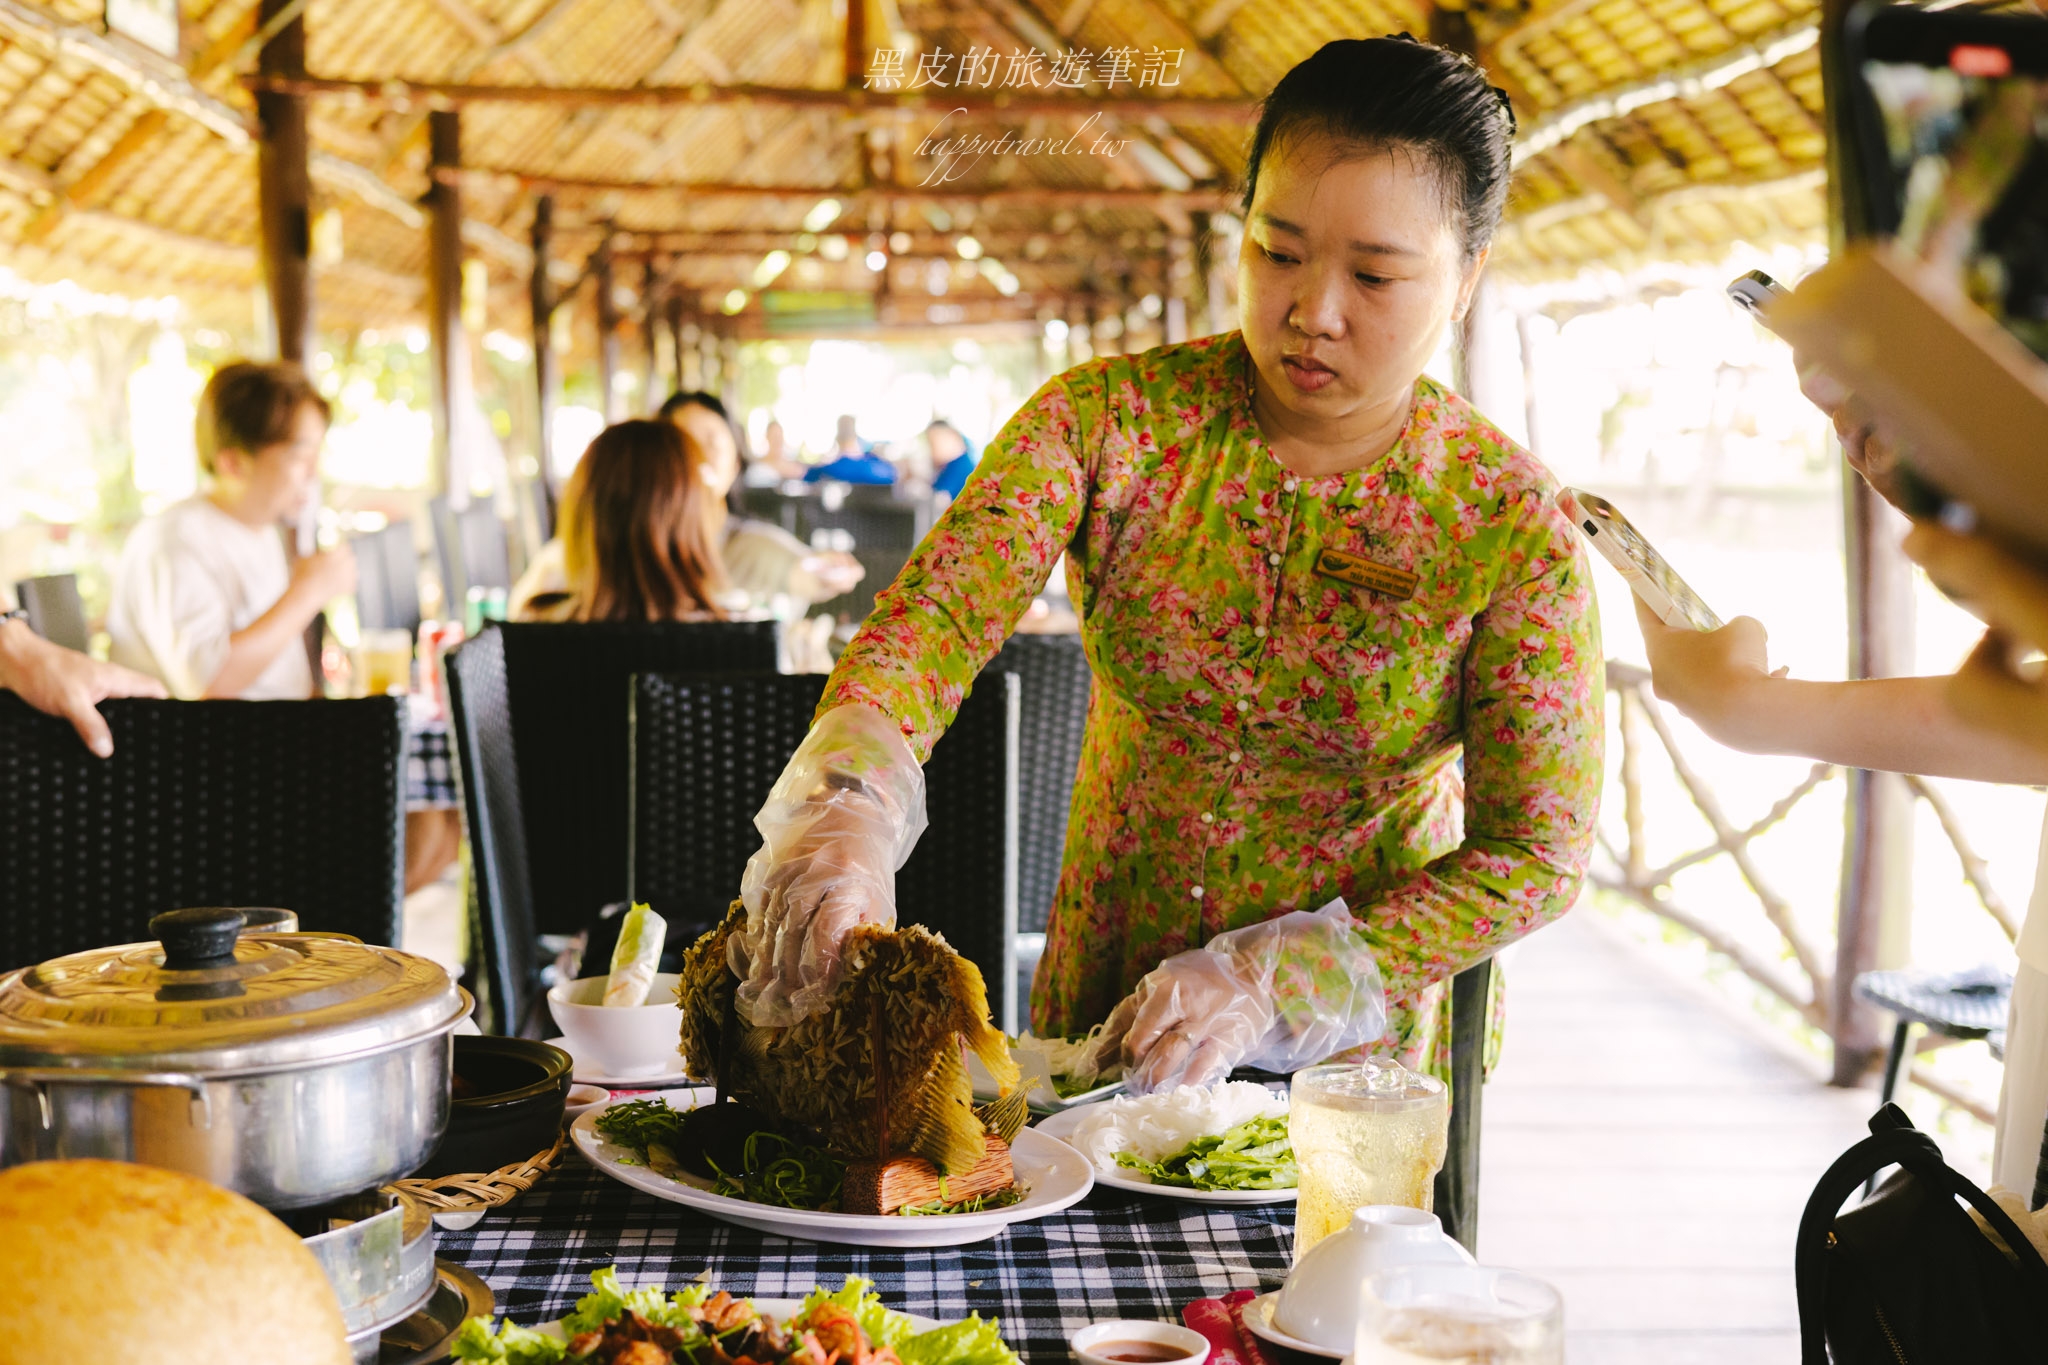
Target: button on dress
1266 730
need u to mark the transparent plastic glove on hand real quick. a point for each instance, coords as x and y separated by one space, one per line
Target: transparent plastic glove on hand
1279 995
837 824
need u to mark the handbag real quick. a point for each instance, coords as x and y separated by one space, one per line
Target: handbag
1907 1277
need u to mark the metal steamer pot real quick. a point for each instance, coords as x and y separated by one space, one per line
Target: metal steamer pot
291 1068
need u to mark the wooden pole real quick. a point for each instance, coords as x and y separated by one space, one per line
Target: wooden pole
284 187
675 336
1180 280
547 377
607 329
856 56
446 346
1877 848
650 326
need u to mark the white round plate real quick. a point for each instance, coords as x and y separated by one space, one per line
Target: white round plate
1258 1316
1124 1178
1054 1176
586 1073
781 1310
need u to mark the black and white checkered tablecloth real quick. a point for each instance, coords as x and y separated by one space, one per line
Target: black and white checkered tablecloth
430 767
1114 1255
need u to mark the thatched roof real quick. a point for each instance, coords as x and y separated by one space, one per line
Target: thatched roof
1651 128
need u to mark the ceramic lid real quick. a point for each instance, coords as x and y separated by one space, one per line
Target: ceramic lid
208 998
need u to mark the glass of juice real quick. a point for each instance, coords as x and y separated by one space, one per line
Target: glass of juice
1458 1315
1370 1133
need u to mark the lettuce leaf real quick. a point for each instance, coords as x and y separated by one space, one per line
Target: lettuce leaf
884 1326
511 1344
1255 1155
611 1301
974 1340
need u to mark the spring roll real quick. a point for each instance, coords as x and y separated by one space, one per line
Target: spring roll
635 958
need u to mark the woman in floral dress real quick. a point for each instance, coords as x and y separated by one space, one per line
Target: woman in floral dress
1310 582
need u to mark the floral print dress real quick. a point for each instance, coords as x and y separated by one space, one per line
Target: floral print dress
1287 673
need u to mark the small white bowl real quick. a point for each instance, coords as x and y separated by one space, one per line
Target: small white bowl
1093 1340
581 1097
619 1040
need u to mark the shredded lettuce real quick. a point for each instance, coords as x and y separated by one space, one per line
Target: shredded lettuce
511 1344
884 1326
1255 1155
975 1340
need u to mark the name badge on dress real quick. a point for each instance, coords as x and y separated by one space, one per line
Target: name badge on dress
1360 572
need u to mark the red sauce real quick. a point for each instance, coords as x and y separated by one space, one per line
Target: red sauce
1137 1352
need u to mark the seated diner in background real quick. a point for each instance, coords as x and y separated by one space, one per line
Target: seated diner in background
639 533
852 461
953 457
762 562
205 597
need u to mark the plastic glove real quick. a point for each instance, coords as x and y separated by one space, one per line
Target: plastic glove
837 824
1279 995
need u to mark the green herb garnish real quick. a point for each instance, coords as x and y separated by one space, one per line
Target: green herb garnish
1255 1155
977 1204
788 1174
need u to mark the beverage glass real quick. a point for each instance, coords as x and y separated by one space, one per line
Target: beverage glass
384 662
1371 1133
1458 1315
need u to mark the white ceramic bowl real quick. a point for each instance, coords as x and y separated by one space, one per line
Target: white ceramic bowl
1319 1302
1191 1347
619 1040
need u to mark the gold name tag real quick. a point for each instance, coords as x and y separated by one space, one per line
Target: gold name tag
1361 572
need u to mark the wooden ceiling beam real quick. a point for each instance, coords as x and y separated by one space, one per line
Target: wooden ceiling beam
1037 196
401 94
1215 17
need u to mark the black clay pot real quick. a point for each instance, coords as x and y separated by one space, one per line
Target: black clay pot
507 1106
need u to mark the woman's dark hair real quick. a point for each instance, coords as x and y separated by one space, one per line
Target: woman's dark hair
1397 92
249 405
695 398
638 543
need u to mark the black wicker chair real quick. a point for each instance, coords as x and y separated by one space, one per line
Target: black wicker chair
568 686
55 610
472 549
1056 680
387 579
292 804
504 947
707 749
885 530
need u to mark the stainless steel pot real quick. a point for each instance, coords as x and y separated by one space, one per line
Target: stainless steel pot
292 1068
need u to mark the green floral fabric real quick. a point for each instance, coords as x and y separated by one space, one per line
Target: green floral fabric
1265 735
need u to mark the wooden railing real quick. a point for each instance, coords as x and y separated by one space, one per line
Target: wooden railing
1804 983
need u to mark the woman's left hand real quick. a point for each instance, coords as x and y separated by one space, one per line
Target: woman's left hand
2009 596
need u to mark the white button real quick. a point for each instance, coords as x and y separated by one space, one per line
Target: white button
1244 705
1195 891
1259 631
1235 756
1290 485
1273 559
1208 818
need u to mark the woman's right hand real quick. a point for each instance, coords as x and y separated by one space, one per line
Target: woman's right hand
838 823
1710 675
1869 452
326 574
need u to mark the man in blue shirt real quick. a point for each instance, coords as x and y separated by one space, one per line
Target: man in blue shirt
853 462
953 457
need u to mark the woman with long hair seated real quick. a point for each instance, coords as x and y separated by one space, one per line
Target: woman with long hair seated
640 528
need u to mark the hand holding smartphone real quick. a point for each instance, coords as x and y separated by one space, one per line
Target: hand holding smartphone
1648 573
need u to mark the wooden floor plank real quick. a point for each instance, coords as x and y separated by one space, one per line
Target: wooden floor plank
1649 1152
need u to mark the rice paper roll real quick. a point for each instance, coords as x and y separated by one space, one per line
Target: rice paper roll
636 957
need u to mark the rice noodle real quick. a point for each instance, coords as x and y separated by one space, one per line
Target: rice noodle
1156 1126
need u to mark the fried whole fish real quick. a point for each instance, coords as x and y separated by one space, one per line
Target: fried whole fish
881 1072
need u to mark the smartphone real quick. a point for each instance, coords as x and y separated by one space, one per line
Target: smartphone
1756 292
1635 559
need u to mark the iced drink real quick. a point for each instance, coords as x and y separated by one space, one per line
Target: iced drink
1368 1134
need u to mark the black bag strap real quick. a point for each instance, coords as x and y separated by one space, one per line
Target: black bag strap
1918 1153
